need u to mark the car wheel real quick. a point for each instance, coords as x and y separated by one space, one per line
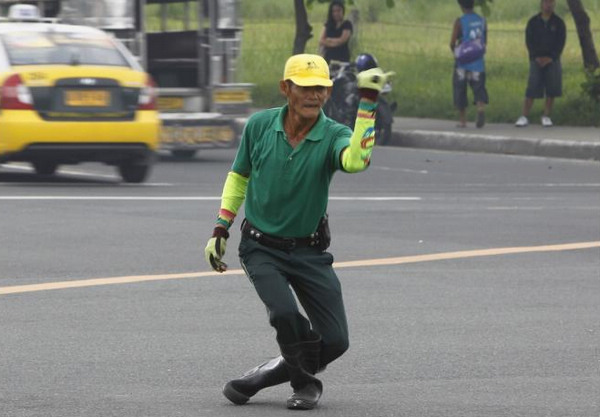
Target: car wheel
183 153
134 172
44 167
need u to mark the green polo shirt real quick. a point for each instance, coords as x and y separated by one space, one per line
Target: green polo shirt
288 189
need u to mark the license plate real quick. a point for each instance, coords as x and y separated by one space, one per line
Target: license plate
226 96
170 103
87 98
194 135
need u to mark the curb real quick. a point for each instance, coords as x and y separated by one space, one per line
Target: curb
450 141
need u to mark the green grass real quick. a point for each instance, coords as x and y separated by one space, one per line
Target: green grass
415 45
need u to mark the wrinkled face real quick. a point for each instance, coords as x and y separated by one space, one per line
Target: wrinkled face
337 13
305 102
548 6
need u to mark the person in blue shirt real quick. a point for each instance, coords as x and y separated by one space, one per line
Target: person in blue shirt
468 41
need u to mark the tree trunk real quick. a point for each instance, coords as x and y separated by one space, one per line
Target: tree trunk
582 22
303 29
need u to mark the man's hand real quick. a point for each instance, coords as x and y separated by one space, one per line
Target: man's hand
215 249
543 61
373 78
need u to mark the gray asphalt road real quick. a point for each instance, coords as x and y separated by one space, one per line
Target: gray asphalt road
513 334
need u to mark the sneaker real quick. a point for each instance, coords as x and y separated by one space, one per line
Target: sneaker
480 119
546 121
522 122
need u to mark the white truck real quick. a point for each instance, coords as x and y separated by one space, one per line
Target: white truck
191 49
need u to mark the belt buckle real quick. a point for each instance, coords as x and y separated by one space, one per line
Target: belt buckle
290 243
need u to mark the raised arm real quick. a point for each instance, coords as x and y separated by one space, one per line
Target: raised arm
357 156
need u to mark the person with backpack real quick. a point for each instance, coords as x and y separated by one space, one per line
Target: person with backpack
468 43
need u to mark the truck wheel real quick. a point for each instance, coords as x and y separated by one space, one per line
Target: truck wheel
183 153
44 167
134 172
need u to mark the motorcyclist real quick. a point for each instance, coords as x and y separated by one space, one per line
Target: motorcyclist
343 103
364 62
385 110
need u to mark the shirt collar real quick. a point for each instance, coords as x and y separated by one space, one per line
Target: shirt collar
541 17
315 134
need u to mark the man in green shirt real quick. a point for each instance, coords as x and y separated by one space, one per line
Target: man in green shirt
283 168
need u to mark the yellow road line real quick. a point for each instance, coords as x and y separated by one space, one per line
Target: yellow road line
19 289
468 254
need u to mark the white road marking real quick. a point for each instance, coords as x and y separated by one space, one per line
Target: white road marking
17 166
516 208
19 289
66 184
88 174
389 198
180 198
411 171
534 184
23 167
72 172
108 198
533 208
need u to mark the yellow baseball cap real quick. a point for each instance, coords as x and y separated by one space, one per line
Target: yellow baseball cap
307 70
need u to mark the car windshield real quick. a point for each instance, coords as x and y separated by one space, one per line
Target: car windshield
55 48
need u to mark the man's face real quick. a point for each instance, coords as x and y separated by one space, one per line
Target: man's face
548 6
306 102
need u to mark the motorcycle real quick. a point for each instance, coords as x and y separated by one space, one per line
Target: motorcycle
343 103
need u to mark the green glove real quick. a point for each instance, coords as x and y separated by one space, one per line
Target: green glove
373 78
215 249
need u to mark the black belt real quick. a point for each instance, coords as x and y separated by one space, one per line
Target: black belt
281 243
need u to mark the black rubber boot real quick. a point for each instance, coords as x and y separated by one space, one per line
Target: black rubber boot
273 372
302 362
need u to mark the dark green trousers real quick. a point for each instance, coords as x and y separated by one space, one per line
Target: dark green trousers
307 272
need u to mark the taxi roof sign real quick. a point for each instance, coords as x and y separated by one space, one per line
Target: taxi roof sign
24 12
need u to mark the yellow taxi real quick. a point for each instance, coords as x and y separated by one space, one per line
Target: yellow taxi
71 94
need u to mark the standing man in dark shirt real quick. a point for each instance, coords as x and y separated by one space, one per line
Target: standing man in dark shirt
336 34
545 37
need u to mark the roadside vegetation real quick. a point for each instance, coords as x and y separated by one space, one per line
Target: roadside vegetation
412 39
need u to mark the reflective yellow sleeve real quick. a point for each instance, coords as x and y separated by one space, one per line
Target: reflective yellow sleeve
234 193
356 157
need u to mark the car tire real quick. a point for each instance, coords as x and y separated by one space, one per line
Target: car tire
183 153
134 172
44 167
